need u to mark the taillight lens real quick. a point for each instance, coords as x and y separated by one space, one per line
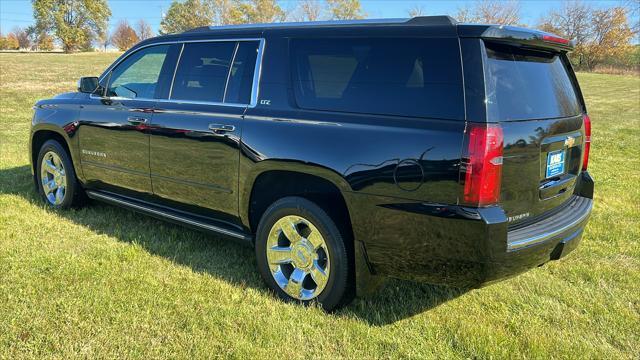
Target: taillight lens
483 170
555 39
587 142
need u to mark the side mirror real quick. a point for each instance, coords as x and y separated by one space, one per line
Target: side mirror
88 84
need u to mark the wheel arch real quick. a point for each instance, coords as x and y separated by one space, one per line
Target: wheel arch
46 132
270 185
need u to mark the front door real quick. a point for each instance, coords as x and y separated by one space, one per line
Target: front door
113 131
196 131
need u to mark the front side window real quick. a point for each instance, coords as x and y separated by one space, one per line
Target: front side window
137 76
418 77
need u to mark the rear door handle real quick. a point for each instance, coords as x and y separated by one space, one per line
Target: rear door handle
221 128
137 120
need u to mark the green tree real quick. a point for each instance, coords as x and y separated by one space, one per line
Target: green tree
12 42
3 42
45 42
76 23
258 11
183 16
345 9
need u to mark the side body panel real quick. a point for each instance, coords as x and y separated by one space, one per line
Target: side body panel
388 159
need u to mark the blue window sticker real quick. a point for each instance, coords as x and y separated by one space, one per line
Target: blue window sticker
555 163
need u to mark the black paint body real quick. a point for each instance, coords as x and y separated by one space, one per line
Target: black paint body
399 176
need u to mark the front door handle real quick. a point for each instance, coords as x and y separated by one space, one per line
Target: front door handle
221 128
137 120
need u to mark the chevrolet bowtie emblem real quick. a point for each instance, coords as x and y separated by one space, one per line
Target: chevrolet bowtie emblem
569 141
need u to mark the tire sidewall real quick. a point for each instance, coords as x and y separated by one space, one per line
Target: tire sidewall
70 191
336 287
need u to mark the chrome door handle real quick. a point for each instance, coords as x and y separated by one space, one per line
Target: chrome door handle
137 120
221 128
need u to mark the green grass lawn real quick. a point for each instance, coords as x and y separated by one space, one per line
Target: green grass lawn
106 282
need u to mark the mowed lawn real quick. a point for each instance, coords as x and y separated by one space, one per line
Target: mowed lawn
107 282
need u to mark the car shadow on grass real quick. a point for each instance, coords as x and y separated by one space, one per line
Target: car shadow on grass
226 260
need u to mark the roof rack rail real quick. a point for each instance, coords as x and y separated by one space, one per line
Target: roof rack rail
419 20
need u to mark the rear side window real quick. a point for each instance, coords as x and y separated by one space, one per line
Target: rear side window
419 77
202 72
523 84
220 72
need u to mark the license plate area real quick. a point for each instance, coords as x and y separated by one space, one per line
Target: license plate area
555 163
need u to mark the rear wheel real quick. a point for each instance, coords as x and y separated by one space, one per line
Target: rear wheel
56 178
301 253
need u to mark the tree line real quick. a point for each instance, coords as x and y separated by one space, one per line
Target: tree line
602 35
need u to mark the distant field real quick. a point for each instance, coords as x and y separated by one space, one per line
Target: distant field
105 282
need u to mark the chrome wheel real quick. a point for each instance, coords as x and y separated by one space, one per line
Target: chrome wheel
53 178
298 257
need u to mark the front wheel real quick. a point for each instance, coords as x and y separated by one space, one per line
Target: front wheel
301 254
56 178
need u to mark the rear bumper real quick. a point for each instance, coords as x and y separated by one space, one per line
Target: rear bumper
460 246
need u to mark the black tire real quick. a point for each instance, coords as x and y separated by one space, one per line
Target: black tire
74 194
336 293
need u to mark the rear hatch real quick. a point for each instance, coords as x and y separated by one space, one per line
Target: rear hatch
532 93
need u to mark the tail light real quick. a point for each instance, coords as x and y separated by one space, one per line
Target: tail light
483 164
587 142
555 39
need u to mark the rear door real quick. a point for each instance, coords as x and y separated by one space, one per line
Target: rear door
534 96
196 131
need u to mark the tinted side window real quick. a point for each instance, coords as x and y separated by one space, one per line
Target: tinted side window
241 77
137 75
392 76
202 72
527 84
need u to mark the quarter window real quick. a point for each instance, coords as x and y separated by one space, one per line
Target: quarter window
419 77
137 76
241 77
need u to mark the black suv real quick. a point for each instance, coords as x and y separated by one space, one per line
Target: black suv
345 152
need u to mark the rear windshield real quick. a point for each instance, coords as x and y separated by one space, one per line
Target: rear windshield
390 76
526 84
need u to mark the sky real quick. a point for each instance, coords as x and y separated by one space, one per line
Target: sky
19 12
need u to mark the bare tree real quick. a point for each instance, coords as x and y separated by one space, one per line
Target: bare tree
308 10
417 10
633 7
23 37
104 40
506 12
572 20
143 30
600 35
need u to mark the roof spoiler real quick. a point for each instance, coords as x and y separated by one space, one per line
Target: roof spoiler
518 36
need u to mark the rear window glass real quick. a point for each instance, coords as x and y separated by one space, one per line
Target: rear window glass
526 84
389 76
